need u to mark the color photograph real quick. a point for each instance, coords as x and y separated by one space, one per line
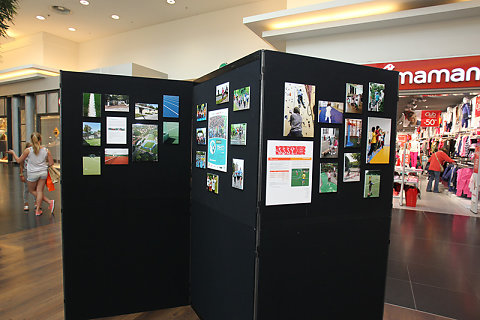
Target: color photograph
378 145
117 102
146 111
351 168
92 134
201 135
171 106
116 156
372 184
238 134
116 130
92 164
212 182
144 142
376 96
222 93
298 110
328 177
353 133
201 112
201 159
330 112
92 105
354 102
237 173
171 133
329 142
217 139
300 177
241 99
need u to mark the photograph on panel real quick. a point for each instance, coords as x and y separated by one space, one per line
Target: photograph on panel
353 133
237 173
378 146
217 139
92 164
238 134
171 132
201 112
353 99
116 130
376 96
351 167
201 135
92 105
372 184
212 182
300 177
116 156
222 93
330 112
92 134
298 110
171 106
117 102
201 159
144 142
241 99
328 177
329 142
146 111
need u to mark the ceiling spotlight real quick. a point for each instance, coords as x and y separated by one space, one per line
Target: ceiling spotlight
40 18
171 1
426 106
84 2
115 17
72 29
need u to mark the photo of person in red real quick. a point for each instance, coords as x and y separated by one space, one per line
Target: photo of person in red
436 162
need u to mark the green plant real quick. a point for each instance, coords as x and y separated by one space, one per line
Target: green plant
8 8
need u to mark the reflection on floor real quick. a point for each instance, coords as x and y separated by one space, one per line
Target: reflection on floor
443 202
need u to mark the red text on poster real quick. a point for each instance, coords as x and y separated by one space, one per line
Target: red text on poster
476 159
290 150
430 118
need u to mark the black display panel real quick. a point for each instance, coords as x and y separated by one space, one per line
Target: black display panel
126 237
223 224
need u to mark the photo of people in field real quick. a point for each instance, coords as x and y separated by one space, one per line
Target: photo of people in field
351 167
201 112
376 96
378 144
328 177
212 182
92 134
201 159
222 93
237 173
299 110
372 184
144 142
329 142
353 99
201 135
330 112
238 134
241 99
300 178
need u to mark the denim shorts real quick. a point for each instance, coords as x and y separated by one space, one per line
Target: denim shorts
35 176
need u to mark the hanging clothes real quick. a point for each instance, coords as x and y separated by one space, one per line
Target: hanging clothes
463 180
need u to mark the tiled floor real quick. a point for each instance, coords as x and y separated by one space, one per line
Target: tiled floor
434 263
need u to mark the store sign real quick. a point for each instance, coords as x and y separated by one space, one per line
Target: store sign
430 118
460 72
403 138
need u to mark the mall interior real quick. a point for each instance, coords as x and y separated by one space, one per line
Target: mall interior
433 263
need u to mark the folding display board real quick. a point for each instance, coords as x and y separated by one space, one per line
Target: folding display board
267 199
126 215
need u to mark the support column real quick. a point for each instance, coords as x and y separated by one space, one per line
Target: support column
29 115
15 134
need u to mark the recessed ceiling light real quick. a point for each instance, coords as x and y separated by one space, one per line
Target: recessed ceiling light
84 2
40 18
115 17
171 1
72 29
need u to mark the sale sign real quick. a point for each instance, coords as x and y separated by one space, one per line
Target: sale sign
477 106
430 118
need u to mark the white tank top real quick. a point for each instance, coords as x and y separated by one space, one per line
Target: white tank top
37 162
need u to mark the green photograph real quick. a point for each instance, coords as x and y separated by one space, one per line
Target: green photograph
92 134
144 142
328 177
300 177
171 132
372 184
91 165
92 105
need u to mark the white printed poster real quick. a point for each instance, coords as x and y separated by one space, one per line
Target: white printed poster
116 130
289 172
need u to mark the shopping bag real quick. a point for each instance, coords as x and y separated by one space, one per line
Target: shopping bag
54 174
50 185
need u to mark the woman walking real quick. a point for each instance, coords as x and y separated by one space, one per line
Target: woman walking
39 159
436 162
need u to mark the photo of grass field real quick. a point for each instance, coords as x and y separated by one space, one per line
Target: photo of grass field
92 134
300 177
91 165
115 156
171 133
372 184
144 142
92 104
328 177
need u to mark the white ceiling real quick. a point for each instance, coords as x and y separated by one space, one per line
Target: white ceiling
94 21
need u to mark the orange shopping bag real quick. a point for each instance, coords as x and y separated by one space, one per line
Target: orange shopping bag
50 185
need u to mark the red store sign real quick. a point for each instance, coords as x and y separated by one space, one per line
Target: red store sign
430 118
461 72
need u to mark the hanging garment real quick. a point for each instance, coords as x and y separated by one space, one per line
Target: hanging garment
452 187
463 180
465 114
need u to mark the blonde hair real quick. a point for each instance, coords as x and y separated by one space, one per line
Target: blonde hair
36 139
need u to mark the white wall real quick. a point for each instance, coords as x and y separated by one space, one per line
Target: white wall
430 40
186 48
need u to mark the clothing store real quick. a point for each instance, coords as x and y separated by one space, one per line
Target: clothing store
438 122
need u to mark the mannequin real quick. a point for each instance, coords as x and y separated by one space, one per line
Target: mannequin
466 112
414 150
